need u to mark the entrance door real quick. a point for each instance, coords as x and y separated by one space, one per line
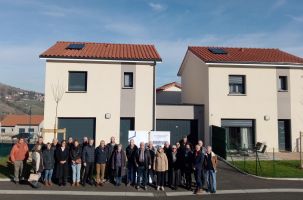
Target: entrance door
179 128
284 135
126 124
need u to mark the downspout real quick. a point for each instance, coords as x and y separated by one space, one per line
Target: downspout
154 96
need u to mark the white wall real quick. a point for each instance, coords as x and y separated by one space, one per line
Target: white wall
102 96
260 100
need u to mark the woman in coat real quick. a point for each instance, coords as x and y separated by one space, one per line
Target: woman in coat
37 159
160 167
119 164
62 155
75 157
48 164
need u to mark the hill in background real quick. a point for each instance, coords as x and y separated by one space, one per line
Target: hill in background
19 101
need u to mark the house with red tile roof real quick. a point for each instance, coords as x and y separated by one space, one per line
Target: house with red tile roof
104 89
14 124
249 95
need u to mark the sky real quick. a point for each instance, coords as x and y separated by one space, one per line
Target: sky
28 27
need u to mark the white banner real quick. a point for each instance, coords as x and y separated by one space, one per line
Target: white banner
158 137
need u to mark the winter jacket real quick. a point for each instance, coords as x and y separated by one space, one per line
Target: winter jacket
37 161
178 163
160 162
110 149
88 154
123 161
75 153
130 154
147 158
48 159
101 155
214 161
19 152
198 160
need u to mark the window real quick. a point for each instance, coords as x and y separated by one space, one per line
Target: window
128 79
21 130
31 130
77 81
2 130
282 83
237 84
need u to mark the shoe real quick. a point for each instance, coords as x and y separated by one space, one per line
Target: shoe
145 188
162 188
50 183
158 188
199 192
73 185
137 187
77 184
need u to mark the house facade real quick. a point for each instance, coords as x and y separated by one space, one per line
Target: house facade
254 94
14 124
104 89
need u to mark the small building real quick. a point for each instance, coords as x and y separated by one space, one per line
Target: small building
15 124
253 94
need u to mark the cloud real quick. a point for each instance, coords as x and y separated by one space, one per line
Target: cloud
157 7
296 18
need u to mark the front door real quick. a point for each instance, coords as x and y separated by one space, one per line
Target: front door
126 124
284 135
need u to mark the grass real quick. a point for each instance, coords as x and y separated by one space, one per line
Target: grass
5 167
277 169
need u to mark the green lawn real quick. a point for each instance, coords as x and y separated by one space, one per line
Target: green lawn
281 168
4 168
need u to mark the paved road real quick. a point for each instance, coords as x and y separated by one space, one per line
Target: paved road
231 185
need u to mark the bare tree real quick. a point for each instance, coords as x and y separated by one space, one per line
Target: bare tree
58 91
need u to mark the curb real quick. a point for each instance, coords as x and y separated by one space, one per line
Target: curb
259 177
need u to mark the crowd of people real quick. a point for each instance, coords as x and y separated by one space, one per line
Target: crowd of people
138 166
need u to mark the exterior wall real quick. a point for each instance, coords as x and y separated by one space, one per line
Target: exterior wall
168 97
260 100
144 97
102 96
128 95
8 130
296 105
284 111
195 87
182 112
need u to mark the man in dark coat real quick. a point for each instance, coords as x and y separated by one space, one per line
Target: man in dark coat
111 147
198 161
143 163
88 158
131 150
174 166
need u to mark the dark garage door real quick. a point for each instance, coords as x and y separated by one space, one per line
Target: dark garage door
179 128
78 127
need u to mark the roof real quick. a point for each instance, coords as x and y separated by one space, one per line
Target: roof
245 55
169 85
103 51
13 120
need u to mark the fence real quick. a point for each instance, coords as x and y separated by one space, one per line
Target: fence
267 163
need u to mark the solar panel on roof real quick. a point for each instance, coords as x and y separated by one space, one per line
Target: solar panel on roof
75 46
217 51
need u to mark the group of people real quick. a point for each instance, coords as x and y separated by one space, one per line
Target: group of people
143 165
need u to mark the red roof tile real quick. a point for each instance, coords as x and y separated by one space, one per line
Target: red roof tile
245 55
106 51
13 120
168 85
